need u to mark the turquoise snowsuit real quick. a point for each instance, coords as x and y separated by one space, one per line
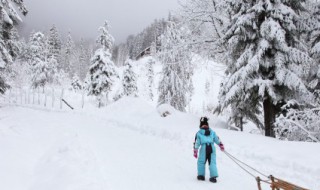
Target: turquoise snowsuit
204 142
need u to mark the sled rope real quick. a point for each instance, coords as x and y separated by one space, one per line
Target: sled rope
275 183
237 161
258 179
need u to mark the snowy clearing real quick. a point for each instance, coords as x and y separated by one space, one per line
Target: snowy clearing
127 145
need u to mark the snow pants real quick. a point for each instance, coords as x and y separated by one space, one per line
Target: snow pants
204 156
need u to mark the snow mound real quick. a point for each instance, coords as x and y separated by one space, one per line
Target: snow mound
127 107
165 110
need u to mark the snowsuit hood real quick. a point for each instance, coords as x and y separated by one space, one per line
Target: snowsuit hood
205 130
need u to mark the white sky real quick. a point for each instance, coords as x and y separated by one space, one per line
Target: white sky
83 17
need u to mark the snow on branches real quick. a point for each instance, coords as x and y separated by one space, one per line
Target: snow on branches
298 124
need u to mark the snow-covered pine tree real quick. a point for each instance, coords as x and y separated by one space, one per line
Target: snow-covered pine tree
76 83
150 74
13 43
36 56
3 85
265 57
129 80
102 69
175 85
16 48
54 59
9 17
42 71
24 51
69 55
301 122
313 22
137 48
84 55
54 44
153 49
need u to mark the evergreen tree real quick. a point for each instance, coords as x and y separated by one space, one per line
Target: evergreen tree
69 54
37 47
300 122
129 80
24 51
76 83
3 85
102 69
54 44
175 86
13 44
153 49
266 61
8 38
43 68
150 74
137 48
84 55
313 22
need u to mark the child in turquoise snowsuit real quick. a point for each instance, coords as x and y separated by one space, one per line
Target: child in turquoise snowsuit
205 139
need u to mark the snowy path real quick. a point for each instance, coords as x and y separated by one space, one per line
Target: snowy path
74 151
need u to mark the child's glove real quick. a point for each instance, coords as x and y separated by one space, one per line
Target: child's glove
221 147
195 153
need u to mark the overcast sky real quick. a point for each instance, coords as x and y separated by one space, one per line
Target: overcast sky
83 17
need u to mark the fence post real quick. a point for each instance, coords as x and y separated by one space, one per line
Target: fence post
259 183
82 99
38 96
25 96
16 95
52 97
61 97
33 96
45 97
21 96
9 97
29 94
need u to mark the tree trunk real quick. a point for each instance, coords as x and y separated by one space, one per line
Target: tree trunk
241 124
269 117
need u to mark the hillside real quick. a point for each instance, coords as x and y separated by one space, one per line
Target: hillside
127 145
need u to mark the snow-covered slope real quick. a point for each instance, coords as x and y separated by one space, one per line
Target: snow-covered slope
127 145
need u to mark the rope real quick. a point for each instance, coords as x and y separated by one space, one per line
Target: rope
237 161
239 165
258 179
234 158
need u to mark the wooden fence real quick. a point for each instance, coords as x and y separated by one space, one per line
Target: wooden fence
48 97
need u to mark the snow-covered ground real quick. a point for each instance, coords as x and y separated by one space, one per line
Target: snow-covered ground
127 145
